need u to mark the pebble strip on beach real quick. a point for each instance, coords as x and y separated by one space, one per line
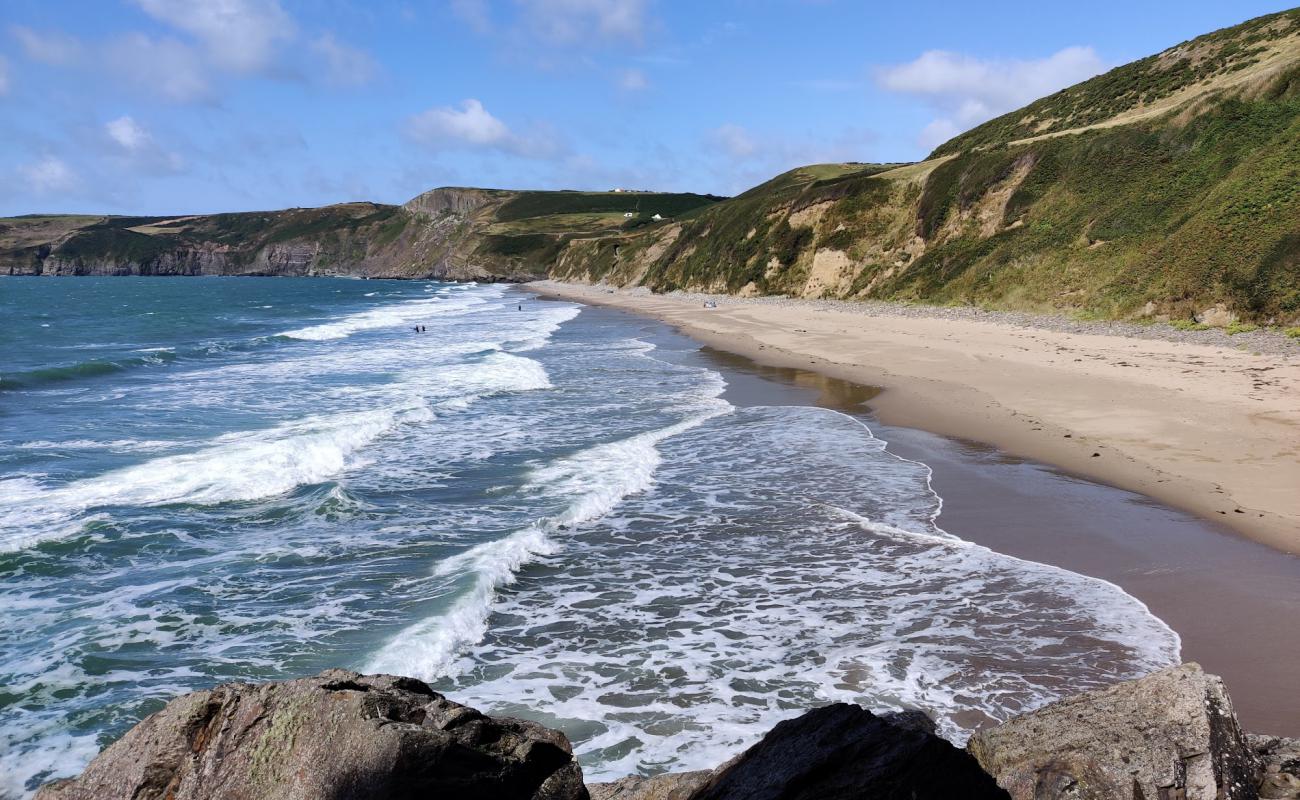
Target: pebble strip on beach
1261 341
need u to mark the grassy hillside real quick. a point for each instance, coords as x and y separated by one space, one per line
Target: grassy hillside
1165 188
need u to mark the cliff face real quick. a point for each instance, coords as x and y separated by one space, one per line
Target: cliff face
448 233
354 239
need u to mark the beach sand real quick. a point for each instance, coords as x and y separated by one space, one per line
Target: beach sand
1210 430
1233 601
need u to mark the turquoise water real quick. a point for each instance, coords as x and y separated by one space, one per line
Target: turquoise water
543 510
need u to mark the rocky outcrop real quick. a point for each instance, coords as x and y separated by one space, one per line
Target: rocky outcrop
452 200
337 736
1168 735
670 786
844 751
1279 767
343 736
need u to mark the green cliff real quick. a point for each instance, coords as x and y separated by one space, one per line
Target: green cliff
1167 187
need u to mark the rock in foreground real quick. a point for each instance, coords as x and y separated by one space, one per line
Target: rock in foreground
337 736
1279 764
1168 735
844 752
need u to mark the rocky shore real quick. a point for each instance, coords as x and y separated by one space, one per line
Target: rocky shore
339 735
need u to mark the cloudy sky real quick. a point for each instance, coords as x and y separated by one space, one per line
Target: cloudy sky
187 106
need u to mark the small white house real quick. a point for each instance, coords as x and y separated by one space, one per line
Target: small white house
628 215
657 218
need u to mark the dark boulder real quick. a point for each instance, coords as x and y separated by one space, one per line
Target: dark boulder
843 752
337 736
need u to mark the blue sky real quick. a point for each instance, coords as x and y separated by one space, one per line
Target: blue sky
192 106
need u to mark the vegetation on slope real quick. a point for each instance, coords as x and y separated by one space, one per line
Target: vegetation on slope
1202 63
530 205
490 234
1166 212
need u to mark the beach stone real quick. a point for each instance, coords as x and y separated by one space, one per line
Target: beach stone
1279 766
1216 316
1171 735
843 751
337 736
669 786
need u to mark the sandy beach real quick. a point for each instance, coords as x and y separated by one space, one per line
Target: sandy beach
1227 596
1211 430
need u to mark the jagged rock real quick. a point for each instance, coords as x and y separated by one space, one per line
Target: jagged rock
1279 765
843 751
911 720
1169 735
683 785
671 786
337 736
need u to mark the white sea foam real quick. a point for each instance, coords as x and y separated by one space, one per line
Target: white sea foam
760 578
389 316
587 485
121 445
256 464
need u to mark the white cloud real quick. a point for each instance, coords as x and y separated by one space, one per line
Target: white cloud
543 29
47 47
49 175
967 90
474 13
136 147
633 80
936 132
239 35
165 67
128 134
734 140
567 22
345 66
4 76
471 126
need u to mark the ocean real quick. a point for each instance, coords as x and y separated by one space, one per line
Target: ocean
543 510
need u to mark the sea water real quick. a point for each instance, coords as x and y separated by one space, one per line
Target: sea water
544 512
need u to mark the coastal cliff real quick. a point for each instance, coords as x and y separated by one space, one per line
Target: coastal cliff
343 735
447 233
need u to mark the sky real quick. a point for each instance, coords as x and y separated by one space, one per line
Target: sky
198 106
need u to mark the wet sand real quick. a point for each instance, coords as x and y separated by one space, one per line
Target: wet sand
1234 602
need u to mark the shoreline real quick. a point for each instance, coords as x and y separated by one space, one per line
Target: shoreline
1225 596
1207 430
